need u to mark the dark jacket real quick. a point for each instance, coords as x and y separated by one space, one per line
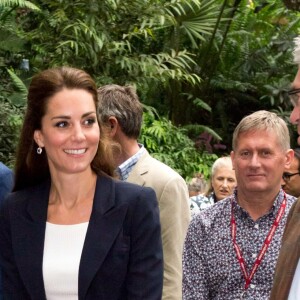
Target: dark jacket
6 181
122 252
6 185
288 256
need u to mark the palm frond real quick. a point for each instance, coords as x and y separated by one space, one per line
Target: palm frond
19 3
18 84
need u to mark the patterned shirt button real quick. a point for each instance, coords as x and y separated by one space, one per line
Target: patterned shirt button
253 255
252 286
256 226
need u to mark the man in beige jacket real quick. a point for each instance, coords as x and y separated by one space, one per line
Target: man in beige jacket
120 113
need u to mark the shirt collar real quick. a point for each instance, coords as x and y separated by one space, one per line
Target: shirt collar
273 210
125 168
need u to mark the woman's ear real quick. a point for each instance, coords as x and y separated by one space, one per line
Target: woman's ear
38 138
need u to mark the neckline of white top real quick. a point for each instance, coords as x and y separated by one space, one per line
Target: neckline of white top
68 225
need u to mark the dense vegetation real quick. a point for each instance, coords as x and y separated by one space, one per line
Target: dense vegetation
199 66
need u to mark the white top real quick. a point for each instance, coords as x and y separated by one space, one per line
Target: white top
295 288
62 253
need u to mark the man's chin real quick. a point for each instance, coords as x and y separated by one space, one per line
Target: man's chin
286 190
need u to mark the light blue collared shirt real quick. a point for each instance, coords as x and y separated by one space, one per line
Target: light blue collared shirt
125 168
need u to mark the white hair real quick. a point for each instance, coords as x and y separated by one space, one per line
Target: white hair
221 162
296 51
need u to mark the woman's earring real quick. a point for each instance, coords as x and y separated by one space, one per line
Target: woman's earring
39 150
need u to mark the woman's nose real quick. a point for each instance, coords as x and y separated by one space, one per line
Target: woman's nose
78 133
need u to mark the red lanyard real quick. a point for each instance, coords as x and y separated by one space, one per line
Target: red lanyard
263 250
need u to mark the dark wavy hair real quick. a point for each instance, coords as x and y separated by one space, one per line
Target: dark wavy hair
30 168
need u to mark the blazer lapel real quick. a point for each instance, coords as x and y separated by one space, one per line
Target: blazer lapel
28 240
105 224
141 168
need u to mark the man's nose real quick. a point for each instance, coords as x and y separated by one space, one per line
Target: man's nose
295 115
255 160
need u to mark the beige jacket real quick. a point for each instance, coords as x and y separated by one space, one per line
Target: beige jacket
288 256
172 195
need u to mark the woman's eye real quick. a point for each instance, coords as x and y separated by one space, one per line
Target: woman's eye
90 121
61 124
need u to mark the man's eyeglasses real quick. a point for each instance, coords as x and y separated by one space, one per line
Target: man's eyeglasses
294 96
287 176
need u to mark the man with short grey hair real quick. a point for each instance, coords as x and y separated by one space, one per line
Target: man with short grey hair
232 247
120 113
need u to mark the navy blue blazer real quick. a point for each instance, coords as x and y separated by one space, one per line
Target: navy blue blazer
122 252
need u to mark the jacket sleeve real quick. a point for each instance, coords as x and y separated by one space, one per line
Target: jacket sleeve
145 270
288 255
175 218
12 285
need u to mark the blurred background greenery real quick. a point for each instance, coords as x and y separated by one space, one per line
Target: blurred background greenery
199 66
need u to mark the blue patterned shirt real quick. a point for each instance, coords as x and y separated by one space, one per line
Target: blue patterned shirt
125 168
198 203
210 266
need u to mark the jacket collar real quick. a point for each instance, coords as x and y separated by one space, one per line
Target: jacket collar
104 226
140 169
38 205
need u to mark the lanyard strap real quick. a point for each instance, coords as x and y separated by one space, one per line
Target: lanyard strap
263 250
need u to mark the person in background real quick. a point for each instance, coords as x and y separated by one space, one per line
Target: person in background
231 248
291 176
196 187
69 230
287 275
223 180
121 112
6 181
221 184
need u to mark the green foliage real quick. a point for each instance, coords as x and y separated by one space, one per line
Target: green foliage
248 68
10 124
203 63
18 97
12 104
171 145
194 20
19 3
107 37
11 42
258 47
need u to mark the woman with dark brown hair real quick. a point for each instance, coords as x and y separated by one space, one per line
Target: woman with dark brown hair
69 230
